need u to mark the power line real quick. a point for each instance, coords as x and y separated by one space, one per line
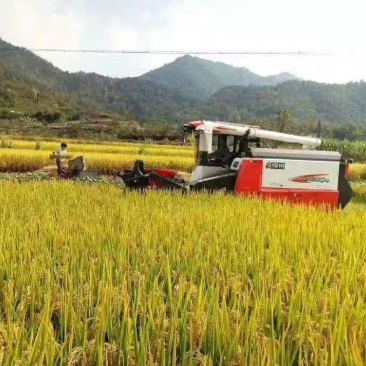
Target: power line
167 52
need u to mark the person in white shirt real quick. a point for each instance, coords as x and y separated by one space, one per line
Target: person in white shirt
60 154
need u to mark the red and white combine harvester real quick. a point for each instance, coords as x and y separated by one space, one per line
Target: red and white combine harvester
238 158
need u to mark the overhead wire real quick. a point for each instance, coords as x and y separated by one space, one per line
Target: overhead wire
166 52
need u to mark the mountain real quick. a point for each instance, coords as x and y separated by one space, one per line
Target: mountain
199 78
305 99
29 84
173 93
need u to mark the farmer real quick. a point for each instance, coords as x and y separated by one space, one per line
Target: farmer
223 152
60 154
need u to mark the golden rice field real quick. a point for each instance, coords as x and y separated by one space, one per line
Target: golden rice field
359 192
110 148
357 172
13 160
27 156
90 275
112 157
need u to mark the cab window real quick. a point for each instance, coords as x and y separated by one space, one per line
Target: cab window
230 142
215 142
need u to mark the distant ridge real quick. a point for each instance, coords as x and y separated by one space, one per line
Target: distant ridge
188 88
198 78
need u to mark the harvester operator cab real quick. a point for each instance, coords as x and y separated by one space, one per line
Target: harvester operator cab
223 150
218 144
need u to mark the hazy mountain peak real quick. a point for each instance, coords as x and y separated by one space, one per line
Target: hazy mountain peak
175 92
200 78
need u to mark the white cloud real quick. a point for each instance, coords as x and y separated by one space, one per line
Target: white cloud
334 26
35 24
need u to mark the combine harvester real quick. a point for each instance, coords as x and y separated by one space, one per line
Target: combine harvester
236 158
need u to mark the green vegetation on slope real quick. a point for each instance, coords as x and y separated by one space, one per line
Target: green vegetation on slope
174 93
199 78
30 84
307 101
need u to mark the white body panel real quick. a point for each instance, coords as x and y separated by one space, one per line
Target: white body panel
300 174
201 172
205 141
235 165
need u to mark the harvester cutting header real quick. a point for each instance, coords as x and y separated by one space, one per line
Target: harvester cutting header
239 159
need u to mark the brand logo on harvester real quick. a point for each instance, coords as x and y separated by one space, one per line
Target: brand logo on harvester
275 165
311 178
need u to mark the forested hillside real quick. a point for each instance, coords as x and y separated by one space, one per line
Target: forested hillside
29 84
307 100
183 90
199 78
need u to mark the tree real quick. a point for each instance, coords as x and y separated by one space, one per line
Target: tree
319 129
348 131
234 115
305 128
263 122
284 122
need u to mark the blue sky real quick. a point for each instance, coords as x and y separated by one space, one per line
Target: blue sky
335 27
